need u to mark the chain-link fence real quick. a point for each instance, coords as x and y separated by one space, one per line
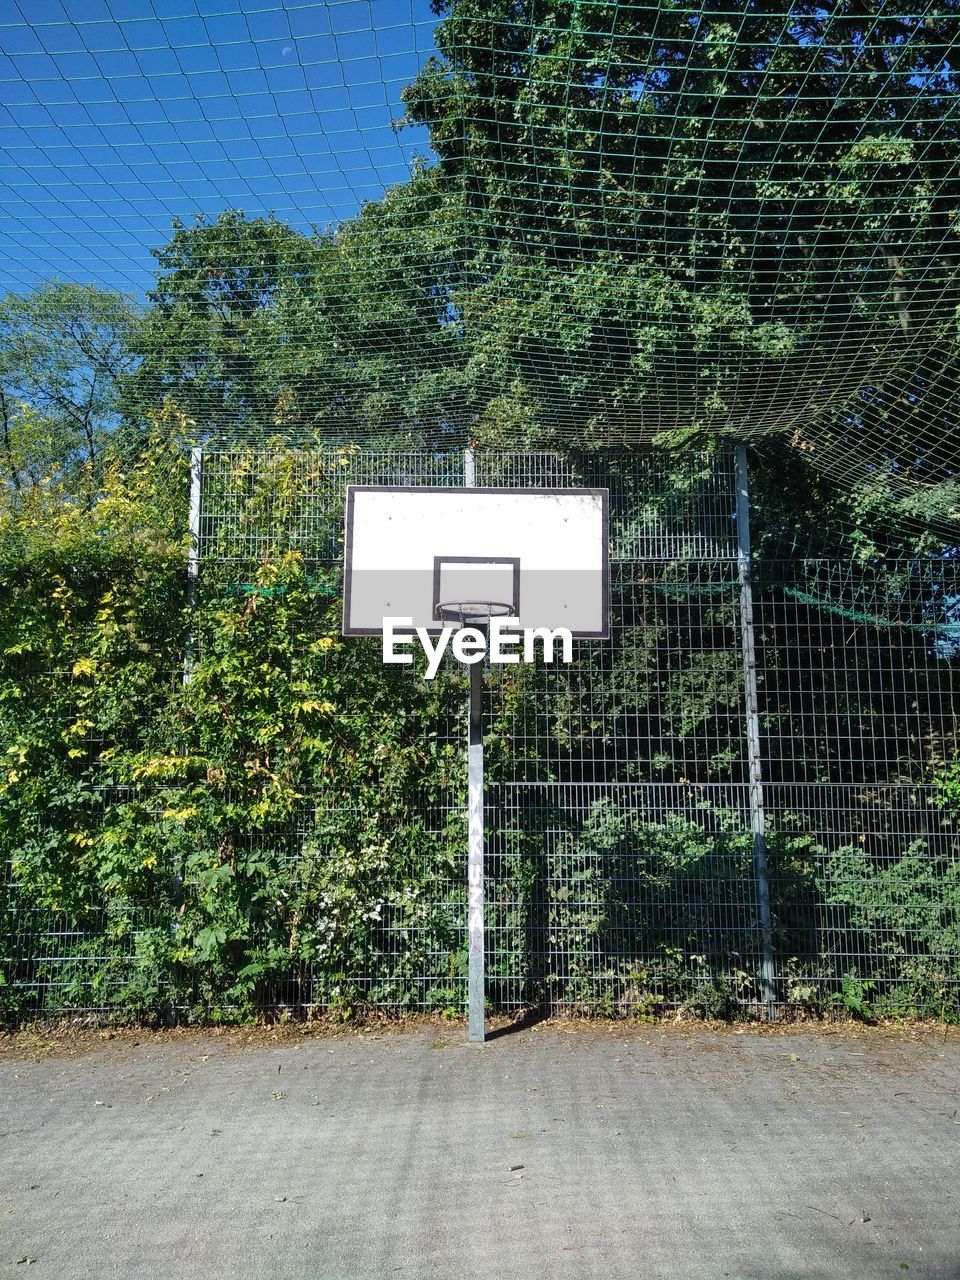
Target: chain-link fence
645 806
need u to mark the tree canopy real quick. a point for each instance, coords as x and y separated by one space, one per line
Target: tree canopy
731 218
65 352
642 223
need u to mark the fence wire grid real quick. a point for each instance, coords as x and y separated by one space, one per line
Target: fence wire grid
623 873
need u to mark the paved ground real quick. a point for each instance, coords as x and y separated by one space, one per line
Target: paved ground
552 1152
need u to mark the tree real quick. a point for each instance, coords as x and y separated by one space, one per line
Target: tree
64 354
732 219
210 335
256 328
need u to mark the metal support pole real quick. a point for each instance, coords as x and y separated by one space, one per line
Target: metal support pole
193 555
752 711
475 976
475 971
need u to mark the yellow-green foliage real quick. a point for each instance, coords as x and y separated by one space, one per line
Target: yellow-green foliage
199 842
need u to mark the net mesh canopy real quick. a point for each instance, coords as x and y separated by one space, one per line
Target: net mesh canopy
576 224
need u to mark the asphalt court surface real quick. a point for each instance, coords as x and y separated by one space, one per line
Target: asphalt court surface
580 1150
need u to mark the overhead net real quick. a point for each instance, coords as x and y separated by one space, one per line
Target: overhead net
571 224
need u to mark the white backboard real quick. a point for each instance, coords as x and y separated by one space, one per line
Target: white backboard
544 552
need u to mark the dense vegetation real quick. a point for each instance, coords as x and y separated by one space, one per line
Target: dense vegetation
285 826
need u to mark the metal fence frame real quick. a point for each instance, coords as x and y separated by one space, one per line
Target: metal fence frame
644 821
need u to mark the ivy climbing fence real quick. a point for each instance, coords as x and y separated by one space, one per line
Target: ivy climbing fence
737 803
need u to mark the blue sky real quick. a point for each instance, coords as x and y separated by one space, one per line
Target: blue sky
118 115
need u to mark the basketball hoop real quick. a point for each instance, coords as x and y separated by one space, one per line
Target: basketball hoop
473 613
441 555
432 559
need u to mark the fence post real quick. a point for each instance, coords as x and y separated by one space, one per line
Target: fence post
193 556
752 712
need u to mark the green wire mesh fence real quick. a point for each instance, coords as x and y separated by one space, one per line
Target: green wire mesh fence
622 875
